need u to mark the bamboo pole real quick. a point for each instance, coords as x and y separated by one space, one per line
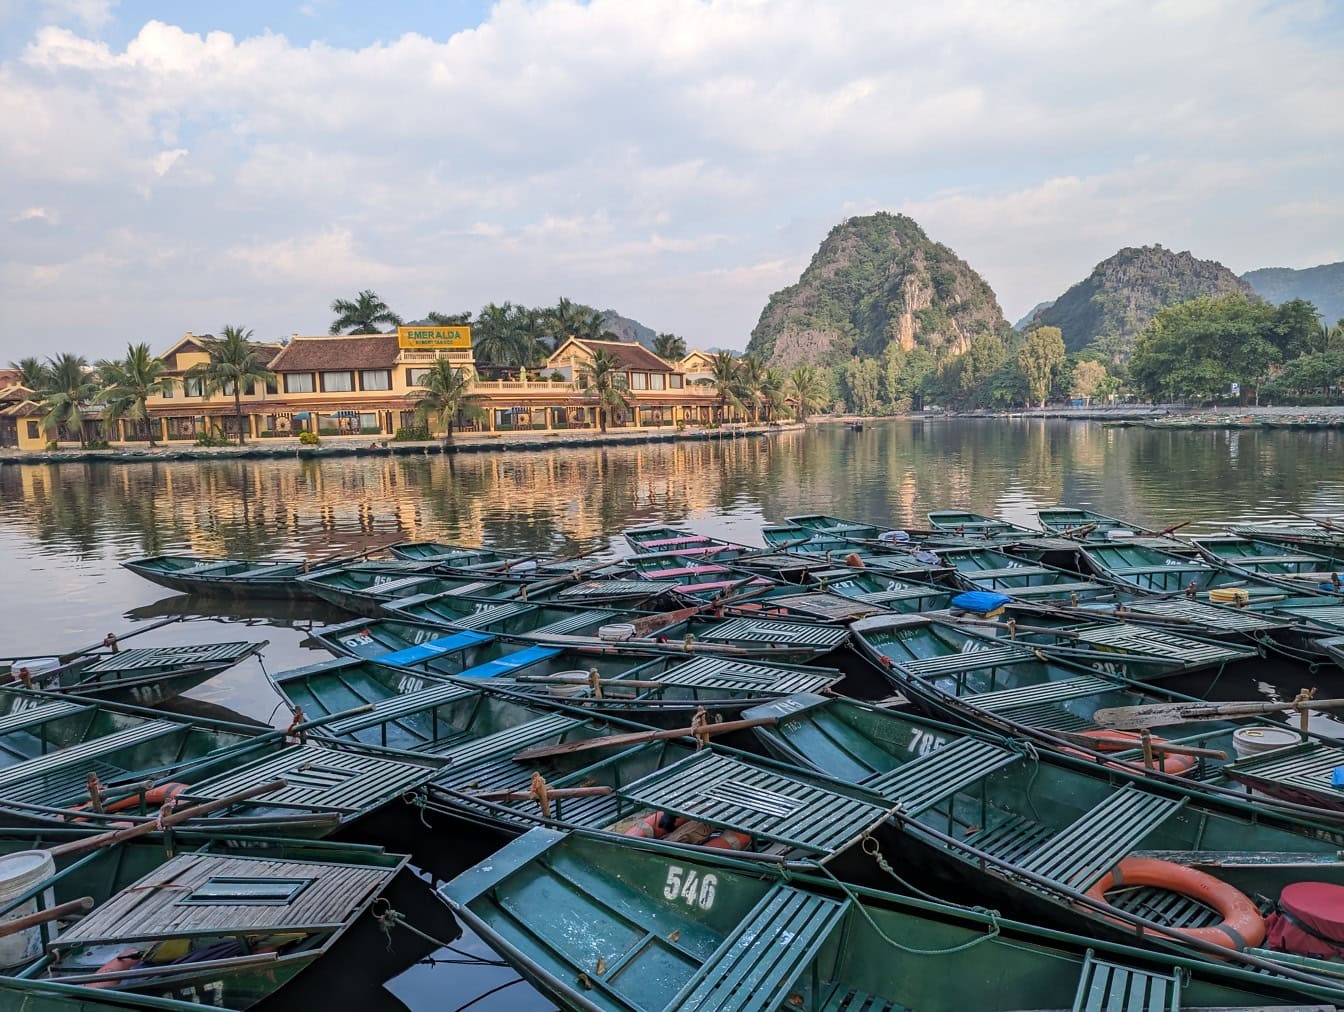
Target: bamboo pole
60 910
636 737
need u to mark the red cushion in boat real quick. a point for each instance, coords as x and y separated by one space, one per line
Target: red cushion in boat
1318 905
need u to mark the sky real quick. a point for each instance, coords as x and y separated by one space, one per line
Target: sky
170 167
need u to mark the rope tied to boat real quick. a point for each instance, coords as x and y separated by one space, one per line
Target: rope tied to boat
699 723
418 799
595 683
1191 590
875 852
542 792
1012 628
95 789
388 917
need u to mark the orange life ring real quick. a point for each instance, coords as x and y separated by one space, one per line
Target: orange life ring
651 827
155 797
1123 741
1242 926
128 959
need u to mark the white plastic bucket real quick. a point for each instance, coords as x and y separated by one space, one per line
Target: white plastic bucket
19 872
616 632
1249 741
37 667
1119 534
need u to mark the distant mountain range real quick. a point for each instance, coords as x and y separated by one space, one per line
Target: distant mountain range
1323 286
629 330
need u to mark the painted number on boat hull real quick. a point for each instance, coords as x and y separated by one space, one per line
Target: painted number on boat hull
690 887
923 743
211 994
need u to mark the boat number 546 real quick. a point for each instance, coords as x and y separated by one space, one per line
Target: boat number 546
691 888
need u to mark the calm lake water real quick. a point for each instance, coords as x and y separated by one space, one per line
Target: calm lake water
64 530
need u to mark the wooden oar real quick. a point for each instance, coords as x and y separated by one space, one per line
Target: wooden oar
636 737
1135 718
67 658
527 794
60 910
629 683
643 626
1325 522
1167 531
167 822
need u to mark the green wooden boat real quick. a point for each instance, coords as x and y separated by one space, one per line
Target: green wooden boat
966 524
146 676
1090 638
664 693
1155 572
51 748
661 538
225 923
1257 557
1177 614
982 568
1014 690
1324 536
251 578
1034 835
1080 524
882 590
457 556
596 923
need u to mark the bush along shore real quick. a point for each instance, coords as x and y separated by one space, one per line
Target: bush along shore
347 446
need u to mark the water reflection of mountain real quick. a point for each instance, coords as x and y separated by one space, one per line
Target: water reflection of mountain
573 500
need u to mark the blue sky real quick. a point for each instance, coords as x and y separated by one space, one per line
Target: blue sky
179 166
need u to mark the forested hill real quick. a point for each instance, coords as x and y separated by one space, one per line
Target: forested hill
877 280
1322 286
1125 291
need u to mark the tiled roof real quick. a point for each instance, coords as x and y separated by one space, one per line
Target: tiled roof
314 354
630 355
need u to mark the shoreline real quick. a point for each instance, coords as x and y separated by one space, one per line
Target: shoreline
360 446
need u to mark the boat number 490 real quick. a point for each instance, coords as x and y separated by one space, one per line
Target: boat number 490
690 887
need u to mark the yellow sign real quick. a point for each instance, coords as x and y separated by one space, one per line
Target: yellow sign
434 337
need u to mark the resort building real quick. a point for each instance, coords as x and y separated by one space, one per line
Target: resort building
698 365
20 415
367 385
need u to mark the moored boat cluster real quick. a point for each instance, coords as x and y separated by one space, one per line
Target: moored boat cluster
858 768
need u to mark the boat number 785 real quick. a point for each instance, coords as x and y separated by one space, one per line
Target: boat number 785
687 885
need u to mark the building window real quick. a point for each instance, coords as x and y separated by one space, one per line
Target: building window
674 381
34 430
299 383
414 377
271 387
375 379
191 388
167 392
338 382
656 381
639 381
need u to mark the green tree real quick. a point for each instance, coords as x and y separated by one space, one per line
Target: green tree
723 371
32 373
806 389
862 380
445 393
774 396
494 338
128 383
233 364
566 319
985 357
750 384
1040 356
68 390
449 319
669 347
593 327
1293 327
1198 348
1088 377
905 375
606 384
367 314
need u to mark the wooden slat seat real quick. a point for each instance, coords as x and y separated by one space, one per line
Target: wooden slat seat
1006 571
1062 589
1081 853
731 675
606 589
1181 568
1159 643
154 657
973 660
1224 619
920 784
720 790
575 622
845 999
421 652
396 707
482 618
24 716
1010 839
1008 700
1113 987
510 662
86 752
757 965
1309 766
767 632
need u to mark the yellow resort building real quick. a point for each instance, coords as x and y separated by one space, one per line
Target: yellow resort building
367 385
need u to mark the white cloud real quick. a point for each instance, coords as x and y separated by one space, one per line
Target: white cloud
676 159
46 214
93 15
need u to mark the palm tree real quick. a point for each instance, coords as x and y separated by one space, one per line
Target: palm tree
234 363
366 315
804 389
773 397
68 389
32 373
723 370
493 338
445 392
567 318
128 384
593 327
449 319
606 384
669 347
530 327
750 383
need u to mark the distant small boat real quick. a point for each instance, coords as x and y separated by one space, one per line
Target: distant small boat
252 578
856 426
